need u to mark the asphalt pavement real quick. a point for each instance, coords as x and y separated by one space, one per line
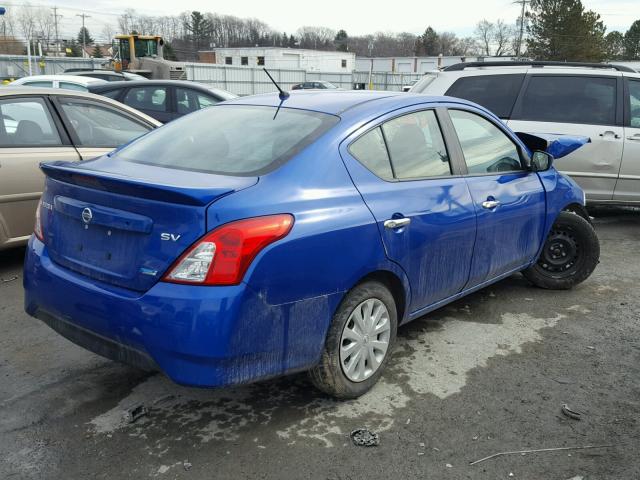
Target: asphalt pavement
484 375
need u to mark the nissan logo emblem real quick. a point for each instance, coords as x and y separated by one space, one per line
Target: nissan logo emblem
87 215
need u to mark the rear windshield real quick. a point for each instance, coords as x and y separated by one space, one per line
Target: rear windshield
230 139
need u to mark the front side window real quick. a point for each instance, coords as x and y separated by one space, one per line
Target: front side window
147 98
371 151
215 140
99 125
244 60
486 148
570 99
634 103
261 61
416 146
27 123
228 60
497 93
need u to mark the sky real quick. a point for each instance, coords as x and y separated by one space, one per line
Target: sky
355 16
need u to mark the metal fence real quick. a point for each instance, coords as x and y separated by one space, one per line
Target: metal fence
236 79
249 80
16 66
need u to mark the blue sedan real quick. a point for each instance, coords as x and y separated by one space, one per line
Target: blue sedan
269 235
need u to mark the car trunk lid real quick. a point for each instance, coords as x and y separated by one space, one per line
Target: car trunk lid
123 223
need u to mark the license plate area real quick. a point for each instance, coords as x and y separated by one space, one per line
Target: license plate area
97 247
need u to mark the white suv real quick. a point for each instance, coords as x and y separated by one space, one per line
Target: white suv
599 101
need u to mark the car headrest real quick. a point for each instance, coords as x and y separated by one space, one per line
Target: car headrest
28 133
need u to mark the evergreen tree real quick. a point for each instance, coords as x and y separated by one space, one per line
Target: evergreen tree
199 27
284 41
96 52
84 32
168 52
72 49
614 42
632 42
292 42
428 43
562 30
341 41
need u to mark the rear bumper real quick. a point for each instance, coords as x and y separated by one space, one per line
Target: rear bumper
199 336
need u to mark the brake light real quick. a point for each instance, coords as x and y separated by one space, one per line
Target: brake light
37 228
223 256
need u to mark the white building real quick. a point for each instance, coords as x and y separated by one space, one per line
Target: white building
414 64
282 58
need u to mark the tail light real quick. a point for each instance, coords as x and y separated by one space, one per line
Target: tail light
223 256
37 228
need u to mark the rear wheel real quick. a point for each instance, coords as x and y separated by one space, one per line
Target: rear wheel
569 256
359 342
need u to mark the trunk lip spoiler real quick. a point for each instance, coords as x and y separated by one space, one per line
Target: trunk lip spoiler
73 173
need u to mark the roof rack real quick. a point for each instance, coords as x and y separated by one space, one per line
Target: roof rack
71 70
536 63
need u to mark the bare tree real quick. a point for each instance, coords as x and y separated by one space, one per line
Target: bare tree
485 31
108 32
503 37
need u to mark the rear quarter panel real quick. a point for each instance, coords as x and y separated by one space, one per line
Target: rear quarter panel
300 280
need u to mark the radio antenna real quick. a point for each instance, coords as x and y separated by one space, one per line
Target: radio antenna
283 93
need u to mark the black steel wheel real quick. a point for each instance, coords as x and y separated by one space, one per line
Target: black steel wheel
569 255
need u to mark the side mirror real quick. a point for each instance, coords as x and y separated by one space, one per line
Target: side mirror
541 161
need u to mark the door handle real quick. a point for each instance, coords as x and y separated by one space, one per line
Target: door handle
634 137
489 204
610 132
397 223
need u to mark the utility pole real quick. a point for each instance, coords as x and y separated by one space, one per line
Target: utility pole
55 22
84 32
524 5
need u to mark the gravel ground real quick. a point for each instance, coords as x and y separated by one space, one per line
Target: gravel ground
486 374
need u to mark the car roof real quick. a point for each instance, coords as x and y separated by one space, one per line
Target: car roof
524 68
333 102
351 104
25 91
83 80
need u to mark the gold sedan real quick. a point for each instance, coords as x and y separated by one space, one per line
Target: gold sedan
45 124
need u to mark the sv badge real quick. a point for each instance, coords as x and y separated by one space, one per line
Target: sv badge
170 237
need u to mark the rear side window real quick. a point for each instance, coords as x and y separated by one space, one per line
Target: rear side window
147 98
486 148
72 86
111 94
497 93
570 99
99 125
371 151
416 146
215 140
190 100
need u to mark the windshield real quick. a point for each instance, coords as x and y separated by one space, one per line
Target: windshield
230 139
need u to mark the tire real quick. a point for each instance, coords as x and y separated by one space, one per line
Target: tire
569 255
332 374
